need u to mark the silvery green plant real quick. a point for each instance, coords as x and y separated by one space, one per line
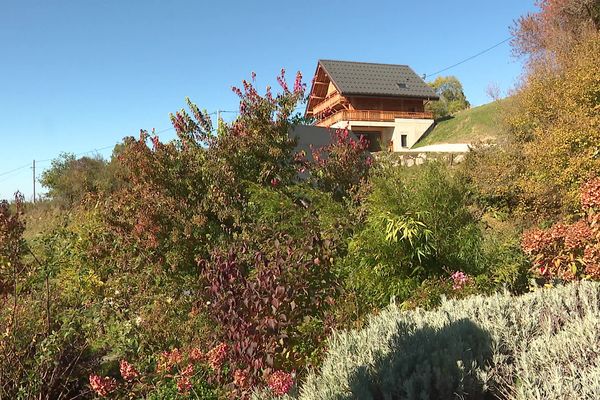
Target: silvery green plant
542 345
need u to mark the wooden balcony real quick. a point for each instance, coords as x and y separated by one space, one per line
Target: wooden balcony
371 115
329 102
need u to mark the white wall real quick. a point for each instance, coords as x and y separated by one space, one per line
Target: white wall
412 128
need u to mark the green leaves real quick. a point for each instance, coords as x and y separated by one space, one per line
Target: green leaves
409 229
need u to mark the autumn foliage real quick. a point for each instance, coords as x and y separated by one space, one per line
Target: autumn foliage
569 251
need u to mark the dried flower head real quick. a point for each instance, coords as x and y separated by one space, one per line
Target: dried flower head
216 356
128 371
103 386
280 382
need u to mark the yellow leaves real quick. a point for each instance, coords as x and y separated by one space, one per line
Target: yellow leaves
556 119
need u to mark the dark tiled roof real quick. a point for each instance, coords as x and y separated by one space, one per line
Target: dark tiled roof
369 79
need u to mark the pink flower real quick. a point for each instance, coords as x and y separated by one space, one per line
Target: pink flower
196 355
188 371
216 356
168 359
274 182
280 382
298 86
128 371
460 280
184 384
103 386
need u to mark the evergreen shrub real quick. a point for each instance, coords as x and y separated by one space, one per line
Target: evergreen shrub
542 345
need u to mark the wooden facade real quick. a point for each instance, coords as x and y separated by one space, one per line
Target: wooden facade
328 106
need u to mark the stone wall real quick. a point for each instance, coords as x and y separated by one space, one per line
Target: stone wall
410 159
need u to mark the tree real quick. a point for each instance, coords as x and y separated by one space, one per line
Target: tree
452 96
493 91
555 28
69 178
555 118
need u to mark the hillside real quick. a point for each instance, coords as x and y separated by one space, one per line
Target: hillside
477 123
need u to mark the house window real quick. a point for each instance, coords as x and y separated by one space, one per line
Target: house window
404 140
373 139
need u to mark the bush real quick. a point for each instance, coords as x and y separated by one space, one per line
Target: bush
417 226
340 167
569 251
70 179
540 345
271 307
556 121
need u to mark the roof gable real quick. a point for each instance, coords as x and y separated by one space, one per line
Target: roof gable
370 79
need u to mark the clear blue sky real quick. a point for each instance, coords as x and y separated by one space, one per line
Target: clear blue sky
80 75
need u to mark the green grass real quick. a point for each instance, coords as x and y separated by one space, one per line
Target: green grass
477 123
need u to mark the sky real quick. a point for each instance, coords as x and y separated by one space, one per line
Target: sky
77 76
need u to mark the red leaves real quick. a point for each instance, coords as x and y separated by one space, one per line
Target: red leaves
569 251
342 165
590 194
128 371
261 299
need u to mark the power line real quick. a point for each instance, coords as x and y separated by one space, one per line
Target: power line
12 176
14 170
469 58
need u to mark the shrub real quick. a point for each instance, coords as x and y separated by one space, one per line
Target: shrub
569 251
417 226
540 345
270 306
70 179
340 167
556 121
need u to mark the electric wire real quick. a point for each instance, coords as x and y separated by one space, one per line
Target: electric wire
469 58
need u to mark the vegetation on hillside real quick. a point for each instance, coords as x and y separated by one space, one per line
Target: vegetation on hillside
477 124
218 264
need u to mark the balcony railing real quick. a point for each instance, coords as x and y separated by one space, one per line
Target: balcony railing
329 101
371 115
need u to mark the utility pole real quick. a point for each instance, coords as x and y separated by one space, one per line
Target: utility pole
33 181
218 120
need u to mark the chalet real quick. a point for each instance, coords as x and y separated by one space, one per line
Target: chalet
384 102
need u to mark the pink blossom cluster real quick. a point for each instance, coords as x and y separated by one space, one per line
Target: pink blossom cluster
280 382
216 356
168 359
460 280
103 386
184 383
298 85
282 82
128 371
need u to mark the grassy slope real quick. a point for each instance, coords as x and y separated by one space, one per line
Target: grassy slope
478 123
